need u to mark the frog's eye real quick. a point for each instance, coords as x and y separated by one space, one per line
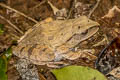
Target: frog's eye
84 32
78 27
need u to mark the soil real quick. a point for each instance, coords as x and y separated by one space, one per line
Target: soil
40 10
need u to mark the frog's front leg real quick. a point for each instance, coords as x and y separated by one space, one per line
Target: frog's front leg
65 51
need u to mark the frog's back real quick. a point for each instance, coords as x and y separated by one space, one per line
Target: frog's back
34 46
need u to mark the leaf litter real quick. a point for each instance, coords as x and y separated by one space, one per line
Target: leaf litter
106 29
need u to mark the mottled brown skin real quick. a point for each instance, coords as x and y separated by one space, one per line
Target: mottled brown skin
42 43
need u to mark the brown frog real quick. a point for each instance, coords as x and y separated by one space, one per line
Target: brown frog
50 42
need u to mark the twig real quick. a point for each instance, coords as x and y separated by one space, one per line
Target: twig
106 38
55 10
39 4
71 9
11 67
15 36
11 24
94 8
5 6
100 43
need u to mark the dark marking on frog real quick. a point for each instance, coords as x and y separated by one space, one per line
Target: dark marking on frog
21 50
30 50
44 49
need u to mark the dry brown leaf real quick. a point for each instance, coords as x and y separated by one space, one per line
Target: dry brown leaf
111 12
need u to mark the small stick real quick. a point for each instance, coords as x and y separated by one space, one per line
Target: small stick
15 36
5 6
100 43
55 10
71 9
39 4
94 8
11 24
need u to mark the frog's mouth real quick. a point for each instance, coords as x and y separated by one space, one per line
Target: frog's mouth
88 33
78 38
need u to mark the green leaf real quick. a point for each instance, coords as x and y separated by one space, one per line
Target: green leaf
3 63
1 29
78 73
3 68
3 75
8 53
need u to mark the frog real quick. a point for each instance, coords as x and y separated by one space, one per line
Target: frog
50 42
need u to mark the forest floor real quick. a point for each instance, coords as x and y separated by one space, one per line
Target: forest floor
39 10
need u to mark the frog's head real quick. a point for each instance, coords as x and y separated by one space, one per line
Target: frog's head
79 30
85 27
67 31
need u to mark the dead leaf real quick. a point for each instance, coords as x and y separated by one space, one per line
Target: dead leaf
111 12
